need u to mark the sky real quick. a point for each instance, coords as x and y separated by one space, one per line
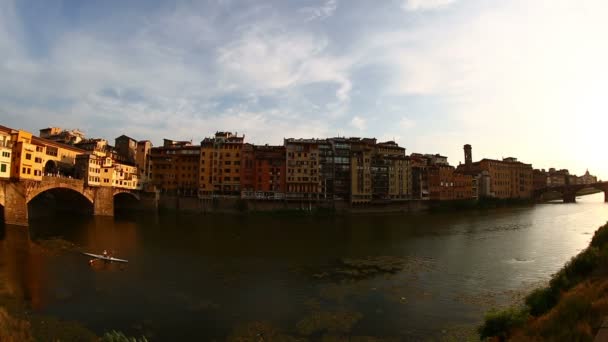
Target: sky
520 78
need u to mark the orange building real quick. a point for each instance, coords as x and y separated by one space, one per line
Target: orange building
509 178
174 167
220 165
263 172
465 186
441 182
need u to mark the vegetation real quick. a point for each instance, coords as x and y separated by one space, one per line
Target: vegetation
568 309
116 336
500 323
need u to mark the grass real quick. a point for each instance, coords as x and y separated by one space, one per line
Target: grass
569 309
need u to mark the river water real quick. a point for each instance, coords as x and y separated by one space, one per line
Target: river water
207 276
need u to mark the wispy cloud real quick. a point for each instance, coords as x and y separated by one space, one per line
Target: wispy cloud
359 123
322 11
422 5
431 74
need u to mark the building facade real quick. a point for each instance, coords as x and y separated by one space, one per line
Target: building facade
6 151
361 174
302 167
220 165
263 172
173 168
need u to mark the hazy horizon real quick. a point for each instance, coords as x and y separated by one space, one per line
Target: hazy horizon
515 78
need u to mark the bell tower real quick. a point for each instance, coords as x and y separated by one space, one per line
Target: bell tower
468 155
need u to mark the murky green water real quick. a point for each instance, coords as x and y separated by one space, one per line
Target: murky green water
205 276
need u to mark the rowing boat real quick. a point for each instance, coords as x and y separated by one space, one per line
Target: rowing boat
106 258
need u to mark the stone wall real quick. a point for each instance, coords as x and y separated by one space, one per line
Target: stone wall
237 205
104 202
15 204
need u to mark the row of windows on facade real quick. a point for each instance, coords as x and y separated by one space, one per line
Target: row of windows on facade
216 154
28 171
28 156
301 155
302 179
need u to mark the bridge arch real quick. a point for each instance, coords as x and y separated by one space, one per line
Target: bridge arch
133 195
33 193
59 201
570 192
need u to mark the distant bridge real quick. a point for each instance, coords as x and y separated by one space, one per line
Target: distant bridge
569 192
15 196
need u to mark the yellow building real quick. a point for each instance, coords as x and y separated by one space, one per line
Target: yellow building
399 177
303 178
58 158
361 176
220 165
27 160
6 151
88 168
125 176
106 175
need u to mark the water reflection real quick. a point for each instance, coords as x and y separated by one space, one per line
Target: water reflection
206 275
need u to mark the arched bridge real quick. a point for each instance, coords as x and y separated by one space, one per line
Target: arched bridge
15 196
569 192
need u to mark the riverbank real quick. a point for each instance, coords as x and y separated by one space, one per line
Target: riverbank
250 206
571 308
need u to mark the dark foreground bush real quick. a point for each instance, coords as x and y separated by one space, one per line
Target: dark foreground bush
116 336
541 301
500 323
600 238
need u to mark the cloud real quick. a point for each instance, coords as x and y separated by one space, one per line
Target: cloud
323 11
359 123
479 73
406 123
423 5
266 57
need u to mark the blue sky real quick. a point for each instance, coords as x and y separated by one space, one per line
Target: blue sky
514 78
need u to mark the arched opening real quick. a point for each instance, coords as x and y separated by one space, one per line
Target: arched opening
592 193
59 203
50 168
587 191
125 202
551 196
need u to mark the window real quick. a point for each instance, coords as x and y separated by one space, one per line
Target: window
28 156
6 154
3 168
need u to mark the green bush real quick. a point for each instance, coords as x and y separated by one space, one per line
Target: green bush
600 238
575 270
500 323
116 336
541 301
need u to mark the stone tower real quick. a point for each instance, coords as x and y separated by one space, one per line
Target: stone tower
468 155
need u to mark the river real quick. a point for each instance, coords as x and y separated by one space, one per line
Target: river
207 276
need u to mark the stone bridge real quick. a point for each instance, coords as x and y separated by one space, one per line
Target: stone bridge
569 192
15 196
